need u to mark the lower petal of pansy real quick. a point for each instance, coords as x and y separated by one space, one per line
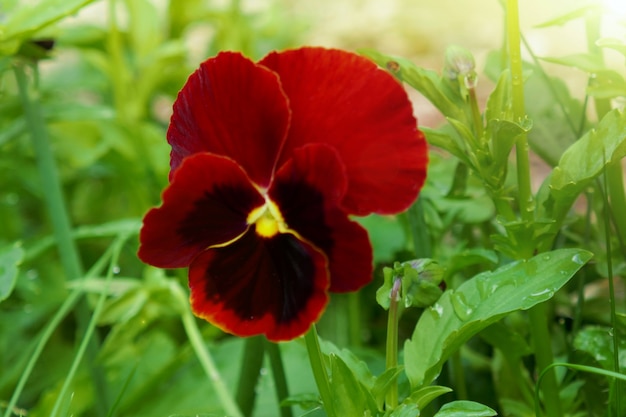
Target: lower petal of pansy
344 100
308 190
274 286
206 204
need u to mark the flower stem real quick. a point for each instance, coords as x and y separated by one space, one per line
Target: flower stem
319 370
538 315
280 380
517 83
249 375
391 358
208 364
55 204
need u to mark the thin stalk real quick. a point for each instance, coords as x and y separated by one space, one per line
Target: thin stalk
115 254
251 363
319 370
540 334
517 83
609 264
538 315
55 204
614 201
391 349
56 320
422 247
206 360
278 373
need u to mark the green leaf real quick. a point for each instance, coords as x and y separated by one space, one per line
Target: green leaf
448 141
465 409
383 383
423 396
587 62
10 259
350 397
573 15
607 84
598 343
613 43
26 18
428 82
480 301
580 164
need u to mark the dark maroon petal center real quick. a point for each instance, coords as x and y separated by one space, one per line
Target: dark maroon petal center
275 286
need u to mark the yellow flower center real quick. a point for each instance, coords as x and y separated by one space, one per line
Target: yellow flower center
267 220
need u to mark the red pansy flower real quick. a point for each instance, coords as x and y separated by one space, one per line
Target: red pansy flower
268 161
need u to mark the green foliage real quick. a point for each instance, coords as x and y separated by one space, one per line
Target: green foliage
105 92
10 259
463 312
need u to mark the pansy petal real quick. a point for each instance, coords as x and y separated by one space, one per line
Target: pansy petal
207 203
307 190
344 100
274 286
232 107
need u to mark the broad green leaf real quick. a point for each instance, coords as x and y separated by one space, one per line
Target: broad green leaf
555 114
510 343
465 409
470 257
598 343
10 259
350 398
26 18
579 165
480 301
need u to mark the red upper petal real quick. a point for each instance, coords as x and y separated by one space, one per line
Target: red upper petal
255 285
207 203
307 189
232 107
344 100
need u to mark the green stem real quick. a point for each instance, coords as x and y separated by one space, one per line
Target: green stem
115 254
517 83
422 247
278 372
319 370
55 204
458 376
616 388
544 359
206 360
391 348
249 375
